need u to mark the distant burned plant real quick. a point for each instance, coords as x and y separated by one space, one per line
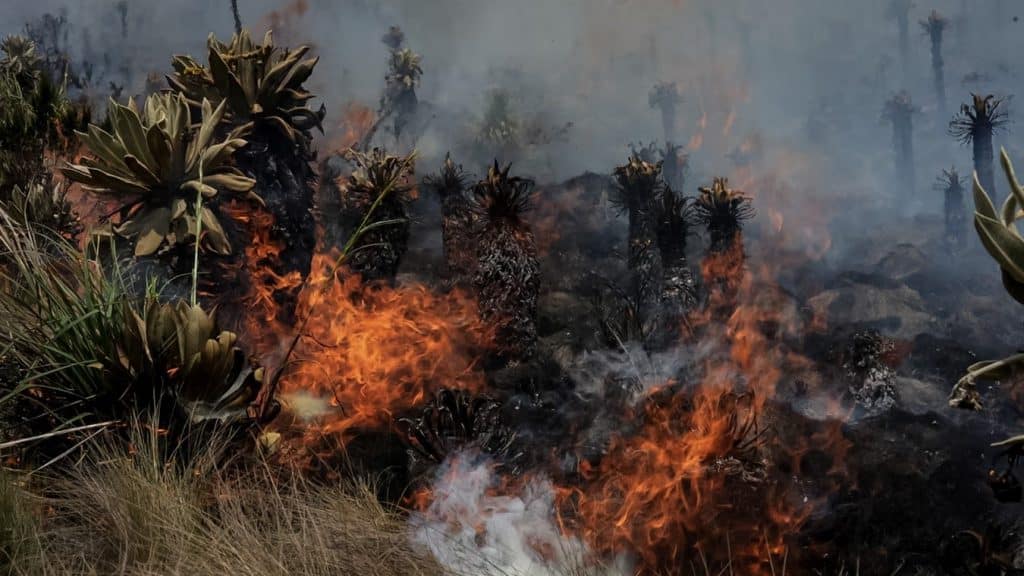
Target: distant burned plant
951 184
456 420
899 10
976 123
405 70
934 27
400 100
675 164
236 16
665 98
899 111
456 219
507 276
500 125
723 211
394 39
380 186
49 33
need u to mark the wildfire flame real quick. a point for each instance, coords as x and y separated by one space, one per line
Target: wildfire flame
356 120
371 352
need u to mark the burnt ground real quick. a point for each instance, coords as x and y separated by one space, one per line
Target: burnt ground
915 496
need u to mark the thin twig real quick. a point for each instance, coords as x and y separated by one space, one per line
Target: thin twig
238 18
20 441
199 233
767 547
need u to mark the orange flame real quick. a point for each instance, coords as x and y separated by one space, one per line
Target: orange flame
371 352
672 491
356 120
697 140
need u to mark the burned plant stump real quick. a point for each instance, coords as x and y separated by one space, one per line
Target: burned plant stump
380 188
899 111
456 221
507 276
951 184
639 185
870 379
934 27
678 288
723 211
382 183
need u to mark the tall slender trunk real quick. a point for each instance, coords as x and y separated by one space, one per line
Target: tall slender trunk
668 121
644 260
678 288
955 217
904 141
903 22
722 269
507 282
238 18
899 110
938 72
984 163
456 225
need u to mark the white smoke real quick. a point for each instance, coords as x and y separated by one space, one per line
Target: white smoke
472 526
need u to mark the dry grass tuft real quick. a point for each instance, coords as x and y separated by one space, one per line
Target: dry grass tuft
140 512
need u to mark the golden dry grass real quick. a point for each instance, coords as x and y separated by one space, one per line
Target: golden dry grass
135 514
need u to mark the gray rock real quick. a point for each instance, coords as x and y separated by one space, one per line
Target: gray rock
873 302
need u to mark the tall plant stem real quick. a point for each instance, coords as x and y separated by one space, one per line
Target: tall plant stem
199 232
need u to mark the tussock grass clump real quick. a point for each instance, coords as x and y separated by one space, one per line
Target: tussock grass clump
19 548
139 508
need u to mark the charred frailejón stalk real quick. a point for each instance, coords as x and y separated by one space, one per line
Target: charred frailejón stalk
678 289
404 72
675 163
507 276
665 98
899 110
456 220
723 211
377 175
639 185
934 27
952 186
899 10
976 123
